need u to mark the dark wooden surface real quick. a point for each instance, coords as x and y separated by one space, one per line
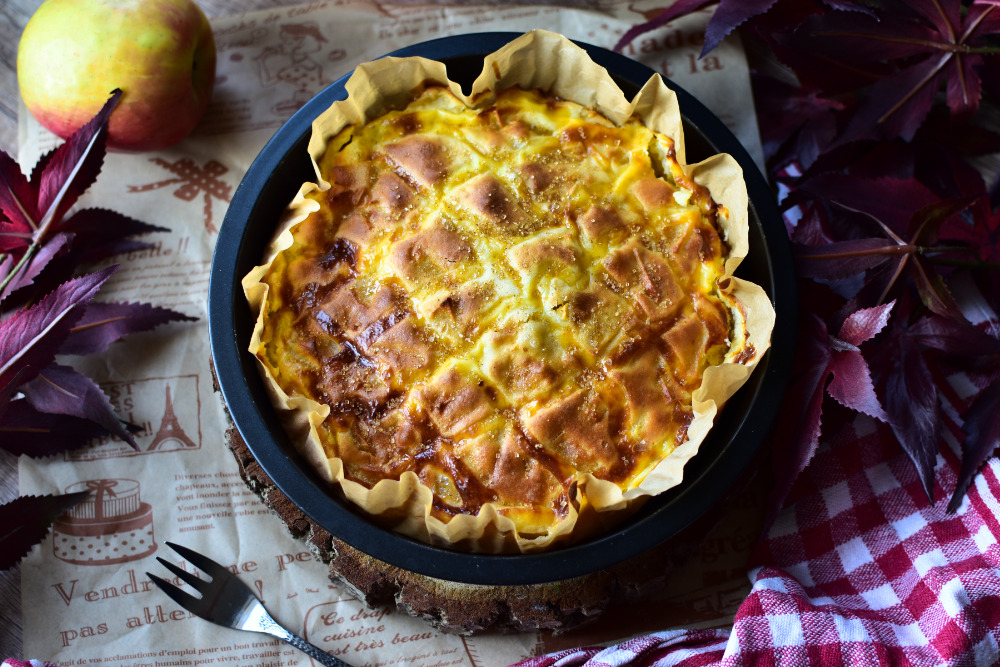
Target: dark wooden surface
457 608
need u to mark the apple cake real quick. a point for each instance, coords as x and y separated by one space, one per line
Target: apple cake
510 305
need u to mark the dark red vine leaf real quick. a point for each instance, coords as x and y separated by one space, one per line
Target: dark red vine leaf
897 105
659 18
824 364
102 233
910 397
872 129
47 407
927 220
900 208
61 390
34 207
728 15
957 337
982 437
860 38
7 394
982 19
73 167
982 233
25 431
104 323
916 49
796 124
851 385
863 325
841 259
56 246
17 205
796 433
925 226
889 201
25 521
31 337
958 346
933 290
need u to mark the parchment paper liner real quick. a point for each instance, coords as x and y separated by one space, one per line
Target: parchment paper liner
550 62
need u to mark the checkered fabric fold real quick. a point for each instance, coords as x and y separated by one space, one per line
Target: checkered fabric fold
858 569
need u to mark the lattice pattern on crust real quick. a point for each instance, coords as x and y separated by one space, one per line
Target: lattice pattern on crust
499 300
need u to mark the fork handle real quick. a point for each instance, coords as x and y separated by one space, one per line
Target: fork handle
312 651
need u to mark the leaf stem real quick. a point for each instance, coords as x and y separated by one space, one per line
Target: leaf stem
941 249
892 250
965 263
25 258
91 325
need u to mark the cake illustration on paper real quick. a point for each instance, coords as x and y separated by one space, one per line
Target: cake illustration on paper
111 526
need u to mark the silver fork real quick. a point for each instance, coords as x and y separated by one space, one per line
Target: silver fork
227 601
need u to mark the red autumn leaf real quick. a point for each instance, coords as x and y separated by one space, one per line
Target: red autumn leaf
57 245
105 323
911 401
824 365
25 431
796 434
982 233
912 91
60 390
101 233
851 384
864 324
73 167
953 337
910 395
17 205
35 207
918 49
47 408
25 521
841 259
30 338
888 201
900 208
7 394
982 437
659 18
729 15
796 124
873 217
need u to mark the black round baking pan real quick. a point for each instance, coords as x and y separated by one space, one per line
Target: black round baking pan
269 185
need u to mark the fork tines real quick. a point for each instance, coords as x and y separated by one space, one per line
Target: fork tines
202 562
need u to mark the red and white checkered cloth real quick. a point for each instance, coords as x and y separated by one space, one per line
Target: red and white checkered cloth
859 569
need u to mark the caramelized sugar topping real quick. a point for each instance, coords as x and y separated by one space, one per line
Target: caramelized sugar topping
500 300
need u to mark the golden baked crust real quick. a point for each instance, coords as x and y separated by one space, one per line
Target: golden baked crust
500 300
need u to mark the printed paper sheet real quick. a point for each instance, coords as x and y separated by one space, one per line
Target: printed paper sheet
86 598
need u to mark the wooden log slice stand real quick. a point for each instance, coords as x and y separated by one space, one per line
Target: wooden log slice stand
466 608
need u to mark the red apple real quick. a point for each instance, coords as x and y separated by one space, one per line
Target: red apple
161 53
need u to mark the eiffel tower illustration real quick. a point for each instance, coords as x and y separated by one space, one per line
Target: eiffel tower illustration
170 433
